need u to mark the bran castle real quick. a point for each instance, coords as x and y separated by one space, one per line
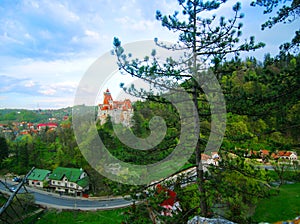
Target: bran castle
120 112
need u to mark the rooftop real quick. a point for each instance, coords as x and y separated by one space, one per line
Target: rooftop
38 174
73 174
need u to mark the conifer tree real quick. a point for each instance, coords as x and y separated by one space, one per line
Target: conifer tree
205 41
285 14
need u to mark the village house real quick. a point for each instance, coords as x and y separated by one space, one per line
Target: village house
210 160
120 112
264 155
69 180
288 155
38 177
51 126
2 126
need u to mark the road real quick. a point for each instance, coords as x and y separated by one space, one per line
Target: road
66 202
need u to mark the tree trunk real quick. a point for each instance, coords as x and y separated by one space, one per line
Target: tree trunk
200 173
200 182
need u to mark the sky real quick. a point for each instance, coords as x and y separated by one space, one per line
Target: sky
46 47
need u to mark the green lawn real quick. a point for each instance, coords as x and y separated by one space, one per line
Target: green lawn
285 206
73 217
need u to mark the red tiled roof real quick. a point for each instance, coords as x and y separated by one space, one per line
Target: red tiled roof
107 97
288 153
274 156
264 152
24 132
281 154
47 125
284 153
205 157
122 105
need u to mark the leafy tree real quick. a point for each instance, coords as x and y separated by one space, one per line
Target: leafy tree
236 186
266 97
205 40
281 167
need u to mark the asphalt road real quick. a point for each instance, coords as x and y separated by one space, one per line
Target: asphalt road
66 202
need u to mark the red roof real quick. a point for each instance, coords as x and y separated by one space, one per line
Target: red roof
264 152
25 132
47 125
107 97
205 157
284 153
109 104
281 154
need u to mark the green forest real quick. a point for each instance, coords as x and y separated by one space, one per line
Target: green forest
262 113
262 101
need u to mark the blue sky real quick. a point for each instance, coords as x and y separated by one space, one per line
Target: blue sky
47 46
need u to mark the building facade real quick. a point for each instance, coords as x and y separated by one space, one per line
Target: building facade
69 180
38 177
120 112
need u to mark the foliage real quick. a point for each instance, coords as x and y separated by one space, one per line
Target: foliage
35 116
263 113
236 187
259 105
285 170
204 40
3 149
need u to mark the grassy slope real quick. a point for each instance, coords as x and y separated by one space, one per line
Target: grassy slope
71 217
285 206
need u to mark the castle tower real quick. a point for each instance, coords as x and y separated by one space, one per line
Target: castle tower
119 111
107 101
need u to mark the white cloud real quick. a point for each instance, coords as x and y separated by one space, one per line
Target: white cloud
65 88
137 25
92 34
48 71
32 3
28 36
45 90
9 38
29 84
56 10
45 34
3 97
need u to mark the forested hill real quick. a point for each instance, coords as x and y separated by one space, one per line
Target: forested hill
34 116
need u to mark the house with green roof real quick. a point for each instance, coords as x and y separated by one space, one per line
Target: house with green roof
69 180
38 177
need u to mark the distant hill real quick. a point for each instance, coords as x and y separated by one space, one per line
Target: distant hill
38 116
34 116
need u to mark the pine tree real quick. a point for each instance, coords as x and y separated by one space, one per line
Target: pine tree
204 41
285 14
